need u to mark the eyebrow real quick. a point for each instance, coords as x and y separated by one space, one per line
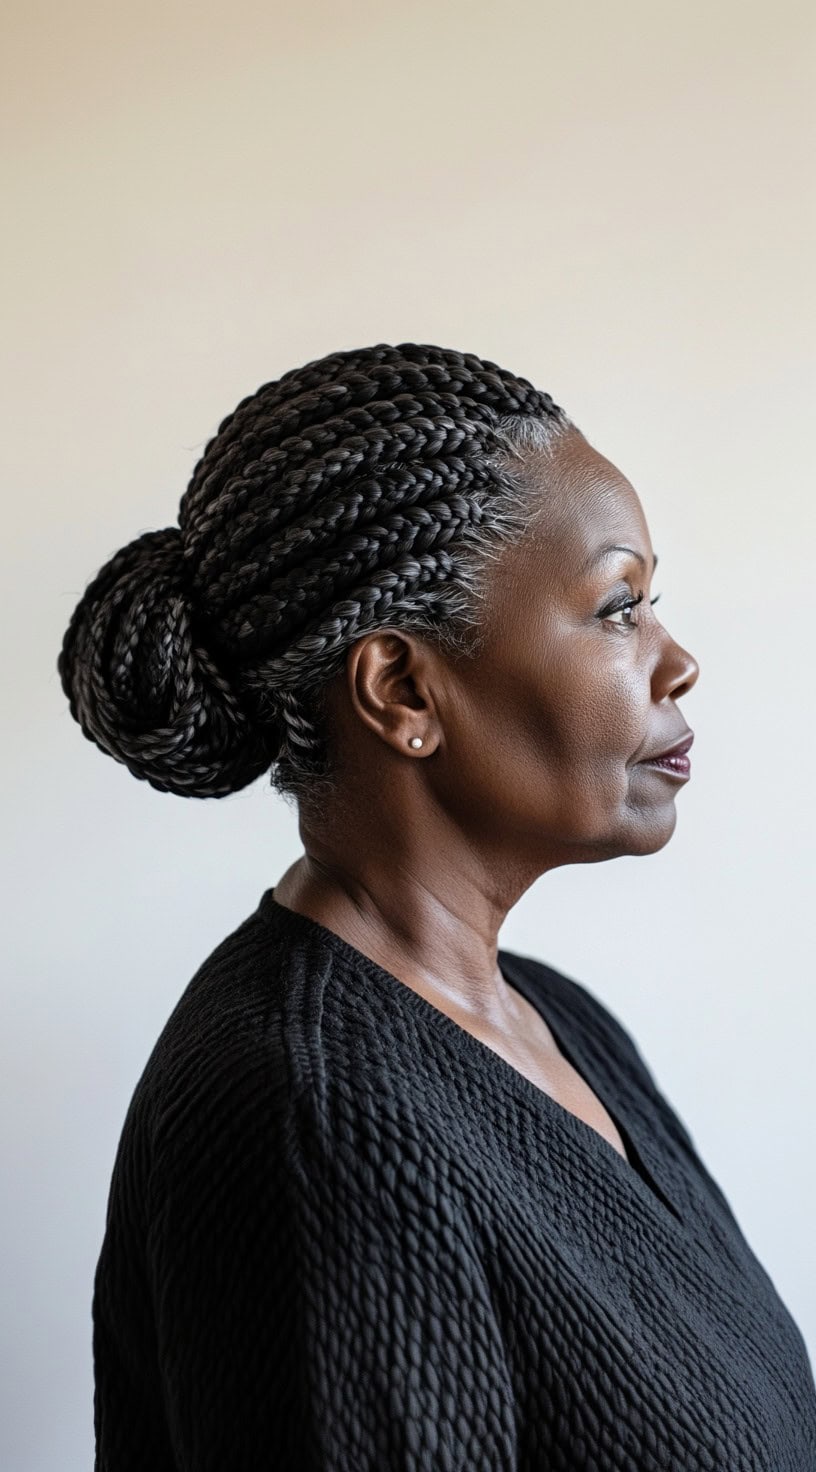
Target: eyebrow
605 551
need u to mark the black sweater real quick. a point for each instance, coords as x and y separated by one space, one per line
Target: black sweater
344 1234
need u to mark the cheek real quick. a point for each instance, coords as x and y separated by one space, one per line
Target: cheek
591 730
550 739
598 719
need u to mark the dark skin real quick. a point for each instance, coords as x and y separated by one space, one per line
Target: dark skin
533 755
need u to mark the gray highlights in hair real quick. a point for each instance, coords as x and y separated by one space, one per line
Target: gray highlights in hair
371 488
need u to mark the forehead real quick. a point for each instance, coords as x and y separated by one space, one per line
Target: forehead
583 503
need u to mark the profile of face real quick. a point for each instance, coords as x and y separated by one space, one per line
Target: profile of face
551 733
540 750
545 744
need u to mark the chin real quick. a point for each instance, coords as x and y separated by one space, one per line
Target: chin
639 835
654 833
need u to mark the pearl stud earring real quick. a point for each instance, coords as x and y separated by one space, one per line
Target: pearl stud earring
415 741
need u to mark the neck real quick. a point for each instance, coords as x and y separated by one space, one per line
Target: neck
441 941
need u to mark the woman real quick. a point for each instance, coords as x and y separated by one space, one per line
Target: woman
387 1196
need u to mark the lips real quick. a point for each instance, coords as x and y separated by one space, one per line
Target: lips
674 759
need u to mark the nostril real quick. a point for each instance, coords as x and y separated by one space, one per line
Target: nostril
691 678
678 670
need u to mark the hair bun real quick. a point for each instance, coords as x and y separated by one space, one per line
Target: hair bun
142 686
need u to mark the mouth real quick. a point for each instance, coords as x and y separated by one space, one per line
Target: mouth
674 761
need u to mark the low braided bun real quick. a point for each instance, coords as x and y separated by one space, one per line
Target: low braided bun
144 688
368 488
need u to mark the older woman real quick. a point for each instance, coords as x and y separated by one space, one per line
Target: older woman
386 1195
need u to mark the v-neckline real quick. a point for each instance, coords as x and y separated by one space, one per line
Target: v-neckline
633 1169
632 1172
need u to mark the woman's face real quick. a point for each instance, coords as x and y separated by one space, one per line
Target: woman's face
549 733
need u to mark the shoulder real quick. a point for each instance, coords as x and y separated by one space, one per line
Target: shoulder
219 1022
279 1083
276 1048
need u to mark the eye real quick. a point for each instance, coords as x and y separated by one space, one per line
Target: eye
622 615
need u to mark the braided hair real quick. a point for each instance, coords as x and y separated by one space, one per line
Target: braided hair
370 488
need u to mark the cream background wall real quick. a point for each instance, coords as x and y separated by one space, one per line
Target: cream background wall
615 201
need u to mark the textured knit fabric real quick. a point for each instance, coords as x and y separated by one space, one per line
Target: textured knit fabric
344 1234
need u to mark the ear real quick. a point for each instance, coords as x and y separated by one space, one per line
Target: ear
388 678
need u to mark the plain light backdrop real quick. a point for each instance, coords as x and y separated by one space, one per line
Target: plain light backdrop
615 201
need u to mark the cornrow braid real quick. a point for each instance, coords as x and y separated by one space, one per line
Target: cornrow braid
368 488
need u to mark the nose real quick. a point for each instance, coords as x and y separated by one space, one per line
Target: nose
676 671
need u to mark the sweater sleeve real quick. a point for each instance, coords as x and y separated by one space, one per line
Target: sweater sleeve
318 1301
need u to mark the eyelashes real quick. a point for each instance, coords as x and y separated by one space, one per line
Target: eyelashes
626 607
